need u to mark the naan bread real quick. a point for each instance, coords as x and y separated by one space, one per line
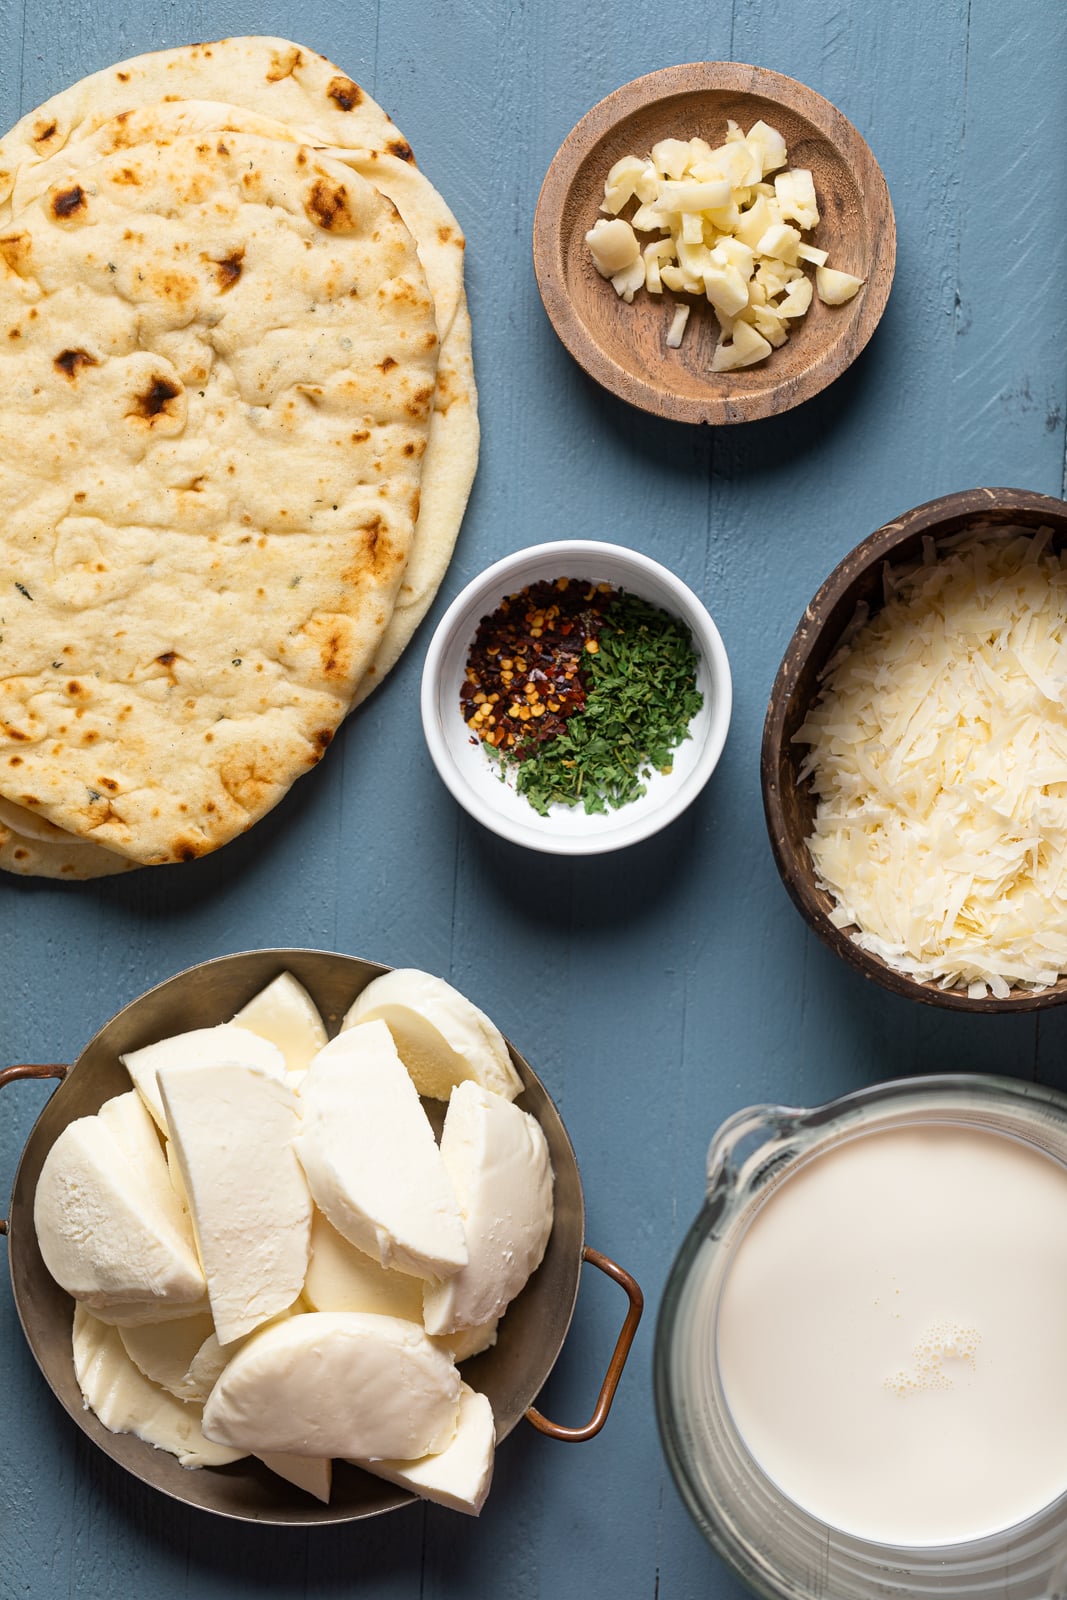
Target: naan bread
226 358
273 77
63 857
282 91
452 451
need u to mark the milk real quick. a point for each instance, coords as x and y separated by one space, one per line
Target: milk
892 1335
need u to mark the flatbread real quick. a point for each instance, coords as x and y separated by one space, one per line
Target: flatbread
452 452
62 857
274 77
227 380
281 90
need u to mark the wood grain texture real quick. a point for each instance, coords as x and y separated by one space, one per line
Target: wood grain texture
623 346
657 993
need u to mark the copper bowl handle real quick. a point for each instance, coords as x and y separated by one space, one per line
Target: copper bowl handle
9 1075
615 1365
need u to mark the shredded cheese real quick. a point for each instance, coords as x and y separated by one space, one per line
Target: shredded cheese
938 755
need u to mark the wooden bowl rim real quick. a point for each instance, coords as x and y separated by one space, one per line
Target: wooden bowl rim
938 518
549 241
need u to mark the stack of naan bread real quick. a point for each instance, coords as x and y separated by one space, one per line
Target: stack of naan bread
238 428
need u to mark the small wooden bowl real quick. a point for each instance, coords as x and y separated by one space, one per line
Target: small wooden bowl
624 346
790 809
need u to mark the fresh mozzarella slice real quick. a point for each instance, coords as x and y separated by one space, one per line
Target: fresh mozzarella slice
126 1402
205 1369
458 1476
371 1159
342 1278
466 1343
164 1352
202 1047
174 1172
441 1036
110 1228
336 1383
233 1127
497 1158
314 1474
285 1014
149 1313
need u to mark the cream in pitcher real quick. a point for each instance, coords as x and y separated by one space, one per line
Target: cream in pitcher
892 1336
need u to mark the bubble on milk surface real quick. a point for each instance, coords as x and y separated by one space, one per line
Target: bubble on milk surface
944 1351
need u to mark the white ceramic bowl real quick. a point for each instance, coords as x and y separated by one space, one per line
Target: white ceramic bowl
472 775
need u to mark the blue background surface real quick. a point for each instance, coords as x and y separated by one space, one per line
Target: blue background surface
657 991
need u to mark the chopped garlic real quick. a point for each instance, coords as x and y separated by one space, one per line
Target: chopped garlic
835 287
747 347
724 233
677 327
795 193
613 246
631 278
797 300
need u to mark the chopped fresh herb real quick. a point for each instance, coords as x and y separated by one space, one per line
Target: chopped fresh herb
22 589
57 666
111 267
294 581
94 794
236 661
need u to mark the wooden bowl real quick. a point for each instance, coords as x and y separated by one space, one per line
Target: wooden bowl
623 346
790 809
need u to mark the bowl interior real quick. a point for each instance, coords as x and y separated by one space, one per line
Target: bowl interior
624 346
790 808
511 1373
473 776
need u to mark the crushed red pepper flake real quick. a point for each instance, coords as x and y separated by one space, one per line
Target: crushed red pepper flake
528 654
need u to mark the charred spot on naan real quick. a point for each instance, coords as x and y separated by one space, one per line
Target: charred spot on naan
46 136
228 269
345 94
71 362
284 64
329 205
160 405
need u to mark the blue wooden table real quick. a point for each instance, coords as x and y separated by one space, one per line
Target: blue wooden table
659 990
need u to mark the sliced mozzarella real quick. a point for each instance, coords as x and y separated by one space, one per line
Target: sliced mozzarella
336 1383
233 1128
442 1037
285 1014
202 1047
110 1228
342 1278
126 1402
313 1474
371 1158
460 1475
164 1352
466 1343
497 1158
205 1369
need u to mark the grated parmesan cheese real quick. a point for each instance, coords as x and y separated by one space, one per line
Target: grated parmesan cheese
938 755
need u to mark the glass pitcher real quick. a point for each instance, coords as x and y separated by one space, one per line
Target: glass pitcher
774 1545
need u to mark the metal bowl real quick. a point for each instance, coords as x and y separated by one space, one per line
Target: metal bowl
790 808
511 1373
